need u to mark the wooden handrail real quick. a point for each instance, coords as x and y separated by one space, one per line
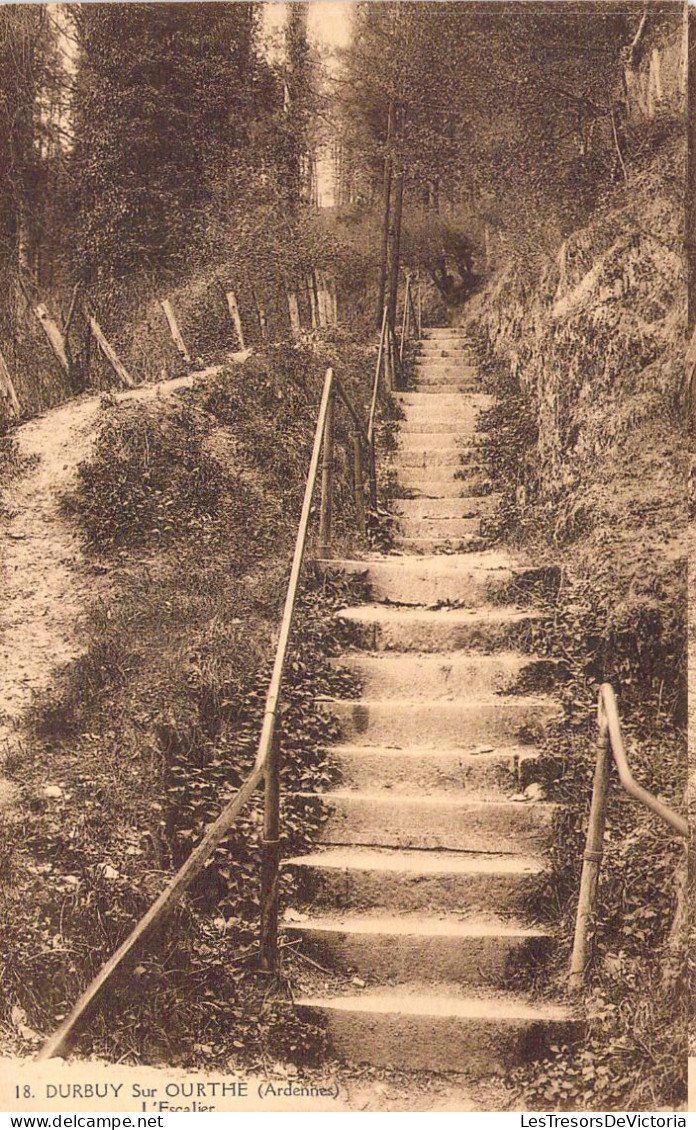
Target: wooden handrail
375 383
340 391
610 747
171 894
266 768
267 764
404 318
607 707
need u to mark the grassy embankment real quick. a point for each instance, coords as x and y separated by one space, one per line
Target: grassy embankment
588 445
189 506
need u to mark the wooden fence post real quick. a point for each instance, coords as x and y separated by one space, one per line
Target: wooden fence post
358 489
174 330
270 857
54 335
236 317
334 303
110 353
7 388
311 288
294 313
323 301
592 861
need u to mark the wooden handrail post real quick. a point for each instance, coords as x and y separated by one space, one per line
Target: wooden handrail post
404 319
327 483
396 363
233 307
174 329
358 482
413 317
373 477
270 856
592 861
7 388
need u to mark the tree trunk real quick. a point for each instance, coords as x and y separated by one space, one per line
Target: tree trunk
386 197
395 247
294 313
690 216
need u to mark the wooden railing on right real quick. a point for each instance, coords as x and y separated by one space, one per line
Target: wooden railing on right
610 748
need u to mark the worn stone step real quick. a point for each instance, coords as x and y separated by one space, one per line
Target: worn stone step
408 880
444 821
415 403
430 346
380 627
435 333
418 483
445 366
425 457
422 1029
459 722
412 768
472 578
463 427
448 382
448 364
446 675
448 385
441 529
427 440
448 543
418 509
407 948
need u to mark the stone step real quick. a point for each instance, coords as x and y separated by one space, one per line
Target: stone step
418 509
415 403
423 484
427 458
448 544
444 821
504 770
440 529
460 722
472 577
437 366
435 333
427 441
372 878
444 378
420 1029
407 948
448 385
431 346
464 425
446 675
381 627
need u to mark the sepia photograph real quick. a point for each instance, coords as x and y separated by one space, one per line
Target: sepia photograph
347 386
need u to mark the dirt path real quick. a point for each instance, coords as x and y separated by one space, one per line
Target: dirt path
46 583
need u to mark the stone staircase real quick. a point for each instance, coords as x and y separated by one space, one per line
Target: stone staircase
420 890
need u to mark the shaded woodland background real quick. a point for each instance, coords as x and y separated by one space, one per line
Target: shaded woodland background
147 150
